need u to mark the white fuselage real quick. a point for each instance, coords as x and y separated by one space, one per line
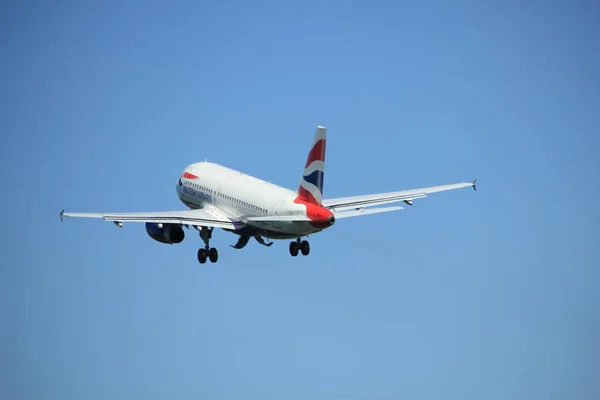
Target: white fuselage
242 196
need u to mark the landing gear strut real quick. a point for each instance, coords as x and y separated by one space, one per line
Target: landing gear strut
299 246
207 252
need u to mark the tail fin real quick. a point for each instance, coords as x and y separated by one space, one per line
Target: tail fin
311 184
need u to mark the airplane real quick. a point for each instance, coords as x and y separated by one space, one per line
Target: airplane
220 197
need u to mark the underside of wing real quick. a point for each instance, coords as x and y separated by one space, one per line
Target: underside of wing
280 218
407 196
364 211
210 217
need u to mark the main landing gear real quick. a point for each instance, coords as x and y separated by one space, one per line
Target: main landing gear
299 246
207 252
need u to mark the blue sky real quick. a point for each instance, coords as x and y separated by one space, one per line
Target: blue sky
463 296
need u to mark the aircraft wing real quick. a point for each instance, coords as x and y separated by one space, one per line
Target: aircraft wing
358 202
280 218
362 211
210 217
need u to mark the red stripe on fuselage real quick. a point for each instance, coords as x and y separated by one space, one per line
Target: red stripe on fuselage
189 176
317 153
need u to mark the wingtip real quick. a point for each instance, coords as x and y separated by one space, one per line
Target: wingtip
62 214
474 184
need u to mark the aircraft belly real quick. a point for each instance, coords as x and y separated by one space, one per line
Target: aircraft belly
284 229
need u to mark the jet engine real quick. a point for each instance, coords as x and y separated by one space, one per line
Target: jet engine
165 233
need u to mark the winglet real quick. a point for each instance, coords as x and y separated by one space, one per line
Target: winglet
474 182
62 213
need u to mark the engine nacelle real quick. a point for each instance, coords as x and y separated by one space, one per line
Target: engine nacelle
168 233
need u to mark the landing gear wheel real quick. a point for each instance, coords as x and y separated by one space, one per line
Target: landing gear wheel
202 254
213 255
305 248
294 247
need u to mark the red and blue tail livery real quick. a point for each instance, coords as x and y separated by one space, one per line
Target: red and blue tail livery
311 185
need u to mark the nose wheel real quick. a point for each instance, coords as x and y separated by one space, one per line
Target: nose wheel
299 247
207 253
